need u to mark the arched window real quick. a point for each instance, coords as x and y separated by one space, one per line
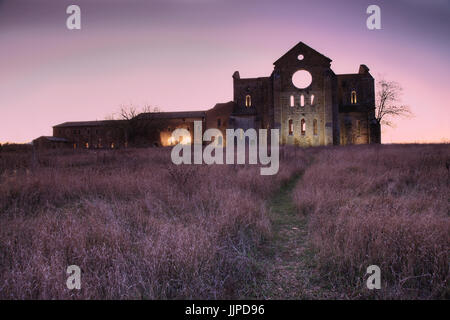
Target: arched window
248 101
358 127
302 100
292 101
291 127
353 98
303 126
315 127
312 99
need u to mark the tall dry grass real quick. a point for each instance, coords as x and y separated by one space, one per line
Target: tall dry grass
138 226
387 206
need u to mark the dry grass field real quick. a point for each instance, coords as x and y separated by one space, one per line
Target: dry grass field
140 227
137 225
385 206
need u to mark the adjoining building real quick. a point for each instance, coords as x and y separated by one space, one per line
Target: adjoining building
49 142
303 98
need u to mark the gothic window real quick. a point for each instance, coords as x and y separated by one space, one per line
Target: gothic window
353 97
292 101
358 127
291 127
248 101
302 100
312 99
315 127
303 126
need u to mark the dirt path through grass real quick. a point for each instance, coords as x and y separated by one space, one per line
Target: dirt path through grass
288 263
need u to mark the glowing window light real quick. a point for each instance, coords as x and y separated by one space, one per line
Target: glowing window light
353 98
248 101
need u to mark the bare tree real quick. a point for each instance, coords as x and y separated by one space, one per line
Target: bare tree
125 112
128 112
149 109
139 126
149 125
388 103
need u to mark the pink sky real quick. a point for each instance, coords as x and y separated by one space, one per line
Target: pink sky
181 54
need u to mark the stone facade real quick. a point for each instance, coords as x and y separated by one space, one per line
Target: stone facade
322 112
46 142
92 134
323 108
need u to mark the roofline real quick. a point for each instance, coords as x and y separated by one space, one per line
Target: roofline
173 113
52 138
298 44
86 123
256 78
355 74
350 74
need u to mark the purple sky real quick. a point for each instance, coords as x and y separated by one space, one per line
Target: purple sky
181 54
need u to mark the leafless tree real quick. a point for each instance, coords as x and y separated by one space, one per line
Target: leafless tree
139 129
128 112
149 109
388 102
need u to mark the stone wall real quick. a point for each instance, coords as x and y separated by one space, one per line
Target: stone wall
321 87
100 135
